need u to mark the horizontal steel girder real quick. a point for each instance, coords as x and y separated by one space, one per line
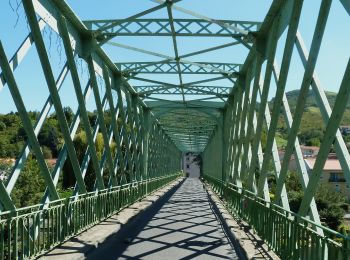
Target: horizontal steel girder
162 27
189 104
193 90
171 68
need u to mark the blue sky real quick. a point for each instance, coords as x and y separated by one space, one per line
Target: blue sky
333 56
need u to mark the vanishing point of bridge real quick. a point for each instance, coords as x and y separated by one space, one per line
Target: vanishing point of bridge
219 111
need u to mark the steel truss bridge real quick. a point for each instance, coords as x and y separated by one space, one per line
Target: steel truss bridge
222 122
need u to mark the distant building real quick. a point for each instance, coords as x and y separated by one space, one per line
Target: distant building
191 167
292 166
3 176
345 129
332 174
309 151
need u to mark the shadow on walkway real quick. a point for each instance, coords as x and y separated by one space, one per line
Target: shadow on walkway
182 225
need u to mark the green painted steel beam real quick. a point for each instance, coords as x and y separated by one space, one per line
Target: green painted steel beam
272 39
79 94
27 125
189 104
304 89
286 60
186 67
232 27
302 170
21 52
175 46
160 89
114 124
104 30
48 73
15 173
346 4
328 139
167 58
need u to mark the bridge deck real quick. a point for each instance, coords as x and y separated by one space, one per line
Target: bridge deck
184 227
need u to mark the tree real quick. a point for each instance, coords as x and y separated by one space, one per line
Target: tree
48 137
2 126
46 152
80 144
68 112
30 185
329 202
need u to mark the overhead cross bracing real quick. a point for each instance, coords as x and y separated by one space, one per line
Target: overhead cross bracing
212 80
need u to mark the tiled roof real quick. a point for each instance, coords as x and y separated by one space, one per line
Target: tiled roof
330 165
314 148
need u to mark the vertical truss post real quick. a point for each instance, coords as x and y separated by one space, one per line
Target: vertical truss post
302 171
81 101
117 84
242 124
236 129
222 147
250 124
145 146
138 130
287 56
304 89
328 138
271 50
325 109
232 123
112 174
114 125
131 112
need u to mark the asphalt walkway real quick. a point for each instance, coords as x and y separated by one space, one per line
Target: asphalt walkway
183 227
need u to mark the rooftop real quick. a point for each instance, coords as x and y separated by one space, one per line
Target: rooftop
330 165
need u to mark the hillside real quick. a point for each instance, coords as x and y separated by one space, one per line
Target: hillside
312 125
292 97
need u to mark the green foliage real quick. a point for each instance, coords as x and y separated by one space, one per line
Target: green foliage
49 137
314 142
292 97
312 126
294 189
329 202
11 135
68 112
5 170
30 185
311 137
67 193
281 142
46 152
2 126
80 144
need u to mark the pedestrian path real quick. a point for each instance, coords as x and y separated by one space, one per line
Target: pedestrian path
184 227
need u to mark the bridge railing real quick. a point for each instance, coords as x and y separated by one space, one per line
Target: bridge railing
288 234
31 231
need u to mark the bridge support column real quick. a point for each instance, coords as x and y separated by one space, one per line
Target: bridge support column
222 149
146 123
